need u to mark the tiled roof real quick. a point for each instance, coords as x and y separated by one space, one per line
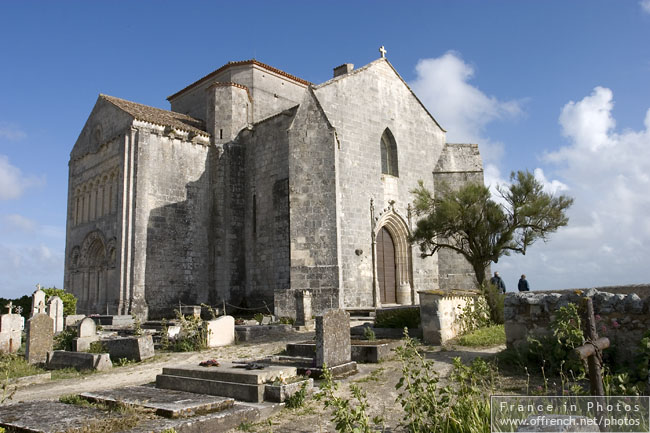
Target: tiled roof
240 63
158 116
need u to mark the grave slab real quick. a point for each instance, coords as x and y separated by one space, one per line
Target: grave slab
165 402
48 416
114 320
227 380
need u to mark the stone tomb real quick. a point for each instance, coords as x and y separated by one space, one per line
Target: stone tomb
229 379
132 348
221 331
79 360
40 332
55 310
86 334
10 331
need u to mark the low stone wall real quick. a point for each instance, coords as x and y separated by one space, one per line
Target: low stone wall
440 314
622 317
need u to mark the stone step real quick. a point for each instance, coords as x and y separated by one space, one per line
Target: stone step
240 391
165 402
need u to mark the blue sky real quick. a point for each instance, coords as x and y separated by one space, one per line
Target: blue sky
560 87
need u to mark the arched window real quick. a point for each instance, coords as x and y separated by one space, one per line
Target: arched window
388 154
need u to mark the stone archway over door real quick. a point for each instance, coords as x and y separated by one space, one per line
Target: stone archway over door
386 273
392 234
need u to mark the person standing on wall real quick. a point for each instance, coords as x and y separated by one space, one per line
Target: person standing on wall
523 284
498 283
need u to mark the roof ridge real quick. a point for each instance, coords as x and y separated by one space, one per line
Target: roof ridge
238 63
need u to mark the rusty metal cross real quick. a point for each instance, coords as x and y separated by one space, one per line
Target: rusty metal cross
592 349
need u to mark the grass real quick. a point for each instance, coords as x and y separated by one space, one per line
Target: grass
16 366
490 336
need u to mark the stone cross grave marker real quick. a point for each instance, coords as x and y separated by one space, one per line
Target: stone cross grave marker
333 338
10 331
40 331
37 297
10 307
55 310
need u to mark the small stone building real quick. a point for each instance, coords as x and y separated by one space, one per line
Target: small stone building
255 186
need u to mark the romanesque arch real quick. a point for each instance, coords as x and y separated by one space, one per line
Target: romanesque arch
89 277
391 233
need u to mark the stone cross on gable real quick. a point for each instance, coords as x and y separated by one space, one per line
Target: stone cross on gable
38 286
41 307
10 307
383 52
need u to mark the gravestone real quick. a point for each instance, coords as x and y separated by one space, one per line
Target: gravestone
86 334
10 331
78 360
40 332
333 338
221 331
303 310
55 310
38 297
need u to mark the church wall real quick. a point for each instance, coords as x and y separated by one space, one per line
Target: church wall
94 210
172 209
458 165
267 209
273 93
313 213
361 105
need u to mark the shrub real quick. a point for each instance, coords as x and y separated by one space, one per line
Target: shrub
297 399
69 300
398 318
369 333
63 340
495 301
489 336
193 335
97 347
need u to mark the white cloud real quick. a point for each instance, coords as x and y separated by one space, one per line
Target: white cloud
23 266
15 221
12 181
607 240
462 109
645 6
11 132
553 187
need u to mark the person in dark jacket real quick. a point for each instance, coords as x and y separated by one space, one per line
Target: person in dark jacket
523 284
498 283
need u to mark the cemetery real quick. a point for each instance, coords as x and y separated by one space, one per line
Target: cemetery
287 365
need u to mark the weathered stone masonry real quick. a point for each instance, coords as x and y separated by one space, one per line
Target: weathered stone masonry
256 186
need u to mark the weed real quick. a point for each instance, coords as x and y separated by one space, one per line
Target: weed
16 366
346 416
137 326
97 347
246 426
369 334
297 399
475 315
258 317
287 321
74 399
193 335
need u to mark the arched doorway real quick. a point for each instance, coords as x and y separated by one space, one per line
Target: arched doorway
392 258
386 275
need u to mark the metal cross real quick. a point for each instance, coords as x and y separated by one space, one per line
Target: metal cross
383 52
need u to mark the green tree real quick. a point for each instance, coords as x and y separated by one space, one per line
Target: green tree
69 300
469 222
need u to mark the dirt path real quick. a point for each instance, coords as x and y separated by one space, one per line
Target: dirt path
146 372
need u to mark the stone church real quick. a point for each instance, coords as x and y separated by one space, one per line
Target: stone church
255 186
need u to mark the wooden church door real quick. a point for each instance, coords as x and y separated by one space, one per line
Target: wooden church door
386 267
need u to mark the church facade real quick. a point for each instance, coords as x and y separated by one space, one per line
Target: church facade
256 186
